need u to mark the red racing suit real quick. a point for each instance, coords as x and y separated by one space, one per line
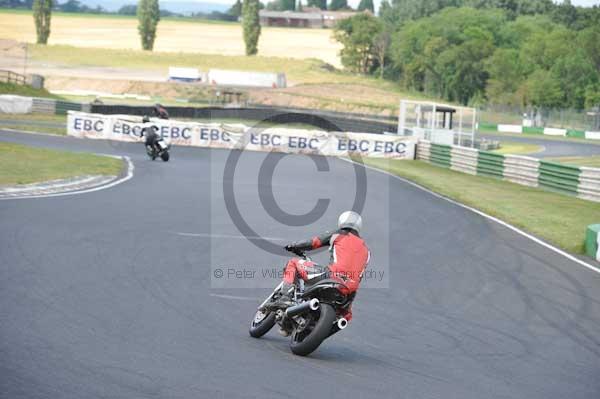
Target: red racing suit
349 258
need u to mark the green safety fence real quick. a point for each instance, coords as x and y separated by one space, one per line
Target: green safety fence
576 133
488 126
440 154
63 106
556 176
490 164
533 130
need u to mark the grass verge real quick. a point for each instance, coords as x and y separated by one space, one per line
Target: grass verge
39 123
514 148
556 218
20 164
25 90
483 132
591 161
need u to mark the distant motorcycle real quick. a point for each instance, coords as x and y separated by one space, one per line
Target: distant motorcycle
312 315
159 149
156 146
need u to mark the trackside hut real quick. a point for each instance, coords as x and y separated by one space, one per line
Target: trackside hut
291 19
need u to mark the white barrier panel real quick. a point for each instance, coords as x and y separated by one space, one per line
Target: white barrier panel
184 74
317 142
555 132
246 78
510 128
592 135
10 104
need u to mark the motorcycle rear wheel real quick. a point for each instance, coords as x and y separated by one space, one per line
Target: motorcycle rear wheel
305 345
261 325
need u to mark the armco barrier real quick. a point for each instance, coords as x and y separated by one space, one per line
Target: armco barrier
439 154
43 106
521 170
464 159
589 184
490 164
559 177
424 150
62 107
582 182
579 134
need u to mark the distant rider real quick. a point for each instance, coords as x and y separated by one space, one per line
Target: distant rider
160 112
150 132
349 257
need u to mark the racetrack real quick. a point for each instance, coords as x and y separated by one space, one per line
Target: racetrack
109 294
551 147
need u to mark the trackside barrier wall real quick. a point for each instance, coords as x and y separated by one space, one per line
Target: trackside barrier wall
39 105
579 134
556 176
582 182
237 136
490 164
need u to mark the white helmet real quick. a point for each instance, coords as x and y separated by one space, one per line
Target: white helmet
350 220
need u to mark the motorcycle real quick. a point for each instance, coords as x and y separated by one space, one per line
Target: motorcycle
313 314
159 149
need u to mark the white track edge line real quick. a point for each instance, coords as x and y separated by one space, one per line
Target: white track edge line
492 218
128 175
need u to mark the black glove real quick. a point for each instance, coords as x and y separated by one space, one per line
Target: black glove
290 248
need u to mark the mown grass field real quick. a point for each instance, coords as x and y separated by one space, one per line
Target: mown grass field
557 218
180 35
20 164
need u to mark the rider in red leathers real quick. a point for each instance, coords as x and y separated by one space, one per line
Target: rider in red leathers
349 257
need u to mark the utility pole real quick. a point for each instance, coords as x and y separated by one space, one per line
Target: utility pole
26 47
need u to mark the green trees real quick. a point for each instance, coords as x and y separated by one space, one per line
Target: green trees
366 5
358 35
509 52
322 4
236 9
148 13
251 25
42 13
338 5
445 54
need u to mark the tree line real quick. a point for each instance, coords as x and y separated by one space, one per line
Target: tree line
510 52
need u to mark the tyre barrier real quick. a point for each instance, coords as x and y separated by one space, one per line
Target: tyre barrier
582 182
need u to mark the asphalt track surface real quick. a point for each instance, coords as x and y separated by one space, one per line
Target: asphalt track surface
551 148
109 294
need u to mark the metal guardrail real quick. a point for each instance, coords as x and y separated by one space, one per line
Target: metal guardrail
582 182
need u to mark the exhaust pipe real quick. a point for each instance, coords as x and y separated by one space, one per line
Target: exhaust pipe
342 323
304 307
